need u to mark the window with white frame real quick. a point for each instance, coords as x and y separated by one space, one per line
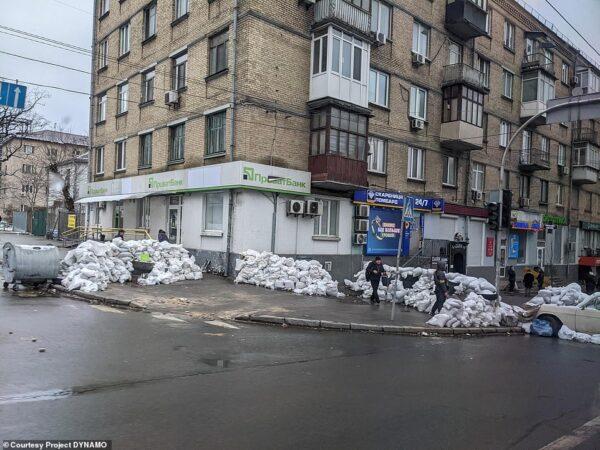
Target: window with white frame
543 192
378 87
449 170
103 54
120 154
320 54
148 86
478 177
347 54
176 142
122 98
454 53
28 149
327 224
507 83
509 35
150 20
420 43
504 133
99 160
416 163
124 39
564 74
537 86
381 16
480 3
545 149
483 65
562 154
376 162
145 159
178 69
104 7
181 8
213 212
464 104
27 168
101 108
524 186
418 103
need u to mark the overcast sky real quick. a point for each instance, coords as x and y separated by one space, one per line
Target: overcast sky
71 21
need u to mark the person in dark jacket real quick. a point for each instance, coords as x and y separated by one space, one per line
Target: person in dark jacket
512 278
373 273
590 282
539 277
162 236
528 280
441 288
120 234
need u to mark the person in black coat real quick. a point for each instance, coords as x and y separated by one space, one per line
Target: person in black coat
512 278
441 288
528 280
540 278
590 282
162 236
373 273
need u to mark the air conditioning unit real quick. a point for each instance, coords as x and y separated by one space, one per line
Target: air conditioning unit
171 98
361 225
418 59
314 207
361 211
524 202
563 170
359 239
476 195
101 205
379 38
417 124
295 207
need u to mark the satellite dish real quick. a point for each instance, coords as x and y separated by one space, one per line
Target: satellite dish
577 91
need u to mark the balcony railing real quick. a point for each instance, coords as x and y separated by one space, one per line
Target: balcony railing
534 159
586 135
337 169
535 61
465 19
342 11
465 74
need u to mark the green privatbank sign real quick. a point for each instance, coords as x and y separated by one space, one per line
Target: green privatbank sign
549 219
252 175
171 183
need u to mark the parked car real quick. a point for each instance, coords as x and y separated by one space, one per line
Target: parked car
584 318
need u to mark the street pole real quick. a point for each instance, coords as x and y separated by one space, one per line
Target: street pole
501 178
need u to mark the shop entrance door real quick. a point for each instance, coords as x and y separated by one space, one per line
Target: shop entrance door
174 219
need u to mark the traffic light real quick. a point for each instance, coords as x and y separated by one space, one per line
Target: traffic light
493 209
507 196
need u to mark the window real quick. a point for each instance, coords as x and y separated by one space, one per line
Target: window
99 160
504 133
381 14
564 74
52 152
588 203
327 223
320 54
524 186
509 35
559 195
418 103
27 168
177 141
213 212
464 104
104 7
376 161
215 133
103 54
454 53
179 64
378 87
545 149
420 43
122 98
28 149
148 86
483 65
26 188
150 21
124 39
416 163
145 159
339 132
181 8
543 192
480 3
537 87
218 53
507 83
449 170
120 150
347 53
478 177
562 154
485 127
101 108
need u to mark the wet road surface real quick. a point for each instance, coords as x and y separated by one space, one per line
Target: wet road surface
153 381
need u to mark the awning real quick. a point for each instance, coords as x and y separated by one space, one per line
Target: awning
111 198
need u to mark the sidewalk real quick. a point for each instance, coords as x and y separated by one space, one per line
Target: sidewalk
216 297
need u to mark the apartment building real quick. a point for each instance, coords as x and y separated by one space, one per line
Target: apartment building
301 127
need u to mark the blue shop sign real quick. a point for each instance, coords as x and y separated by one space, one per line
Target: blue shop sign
513 246
396 200
385 226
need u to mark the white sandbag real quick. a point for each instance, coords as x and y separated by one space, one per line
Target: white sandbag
439 320
566 333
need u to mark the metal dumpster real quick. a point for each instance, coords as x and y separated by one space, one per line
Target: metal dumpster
30 264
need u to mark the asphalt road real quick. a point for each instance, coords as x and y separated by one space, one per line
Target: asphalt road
155 382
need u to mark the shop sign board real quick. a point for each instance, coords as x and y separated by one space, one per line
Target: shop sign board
550 219
522 220
385 226
592 226
396 200
513 246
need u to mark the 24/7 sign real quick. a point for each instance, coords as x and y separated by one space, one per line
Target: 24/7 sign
12 95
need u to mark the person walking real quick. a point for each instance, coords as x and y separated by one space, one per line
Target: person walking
512 278
540 278
373 273
162 236
590 282
528 280
441 288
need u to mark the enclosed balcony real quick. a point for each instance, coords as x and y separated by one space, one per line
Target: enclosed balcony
466 18
586 135
462 118
533 159
465 74
586 161
346 13
538 61
336 172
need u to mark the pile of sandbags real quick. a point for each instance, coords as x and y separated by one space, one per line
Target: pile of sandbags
567 334
569 295
92 265
288 274
468 284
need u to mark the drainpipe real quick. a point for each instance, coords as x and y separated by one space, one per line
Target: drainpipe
274 221
91 115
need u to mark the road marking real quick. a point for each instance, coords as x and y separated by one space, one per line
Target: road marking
219 323
167 317
577 437
107 309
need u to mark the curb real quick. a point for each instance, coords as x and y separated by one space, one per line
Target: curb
93 298
373 328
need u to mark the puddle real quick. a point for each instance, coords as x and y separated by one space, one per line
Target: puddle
36 396
216 362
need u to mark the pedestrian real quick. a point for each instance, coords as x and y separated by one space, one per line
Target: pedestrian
512 278
590 282
120 234
373 273
540 278
528 280
441 288
162 236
